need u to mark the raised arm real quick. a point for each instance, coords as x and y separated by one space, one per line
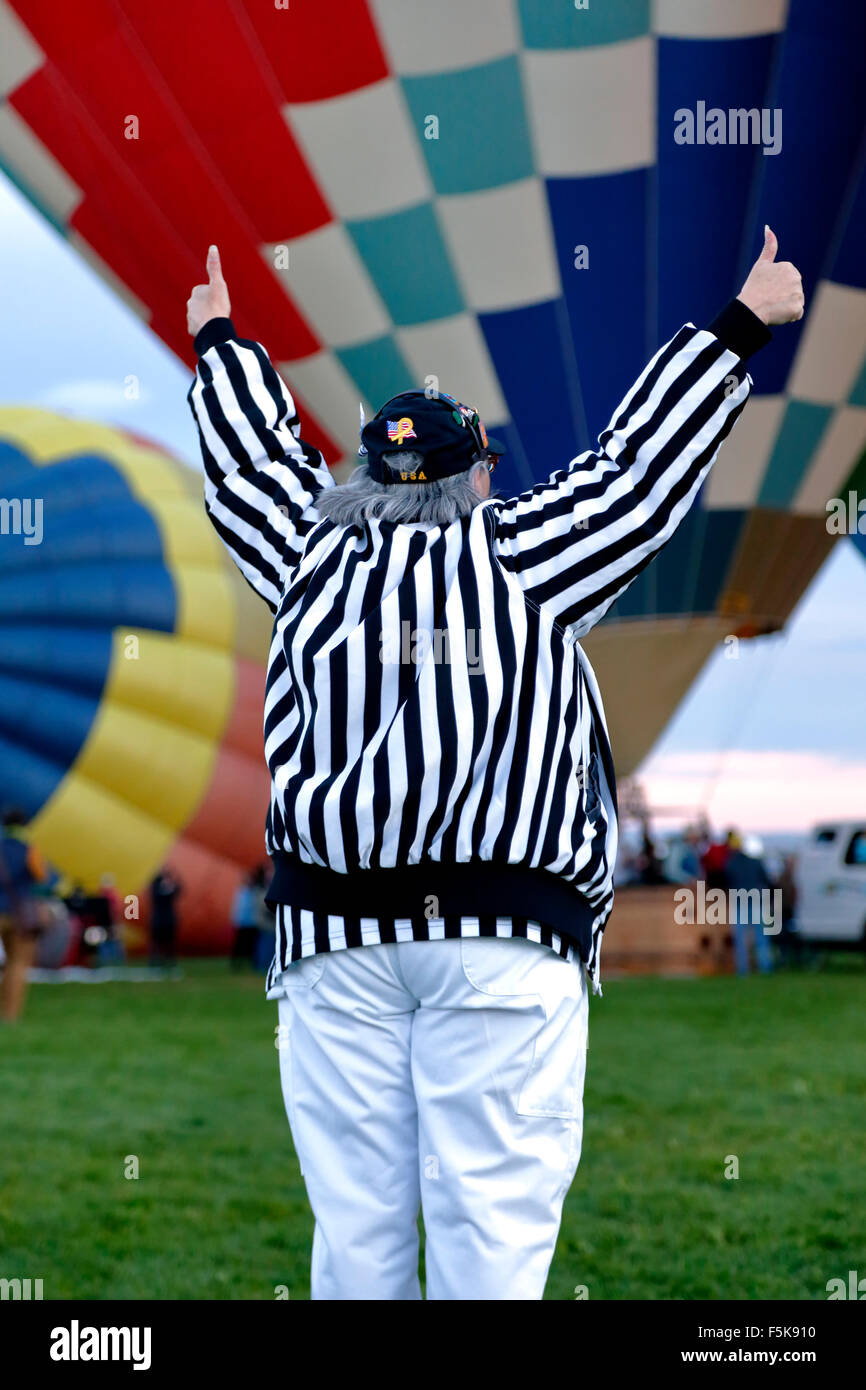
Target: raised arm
577 541
261 479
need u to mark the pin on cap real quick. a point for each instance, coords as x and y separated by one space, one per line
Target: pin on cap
448 435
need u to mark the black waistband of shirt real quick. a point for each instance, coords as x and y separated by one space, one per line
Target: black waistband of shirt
431 889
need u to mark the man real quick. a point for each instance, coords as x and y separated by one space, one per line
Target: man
747 883
164 892
443 815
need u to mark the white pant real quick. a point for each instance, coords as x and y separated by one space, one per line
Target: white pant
441 1074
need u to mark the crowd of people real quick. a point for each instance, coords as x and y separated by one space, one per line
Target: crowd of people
733 864
43 920
48 921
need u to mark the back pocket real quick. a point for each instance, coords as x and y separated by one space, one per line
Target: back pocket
537 1029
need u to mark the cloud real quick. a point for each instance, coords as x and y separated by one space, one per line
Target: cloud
96 397
763 790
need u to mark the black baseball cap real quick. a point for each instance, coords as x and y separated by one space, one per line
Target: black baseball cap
449 437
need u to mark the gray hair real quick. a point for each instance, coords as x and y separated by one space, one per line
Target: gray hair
435 503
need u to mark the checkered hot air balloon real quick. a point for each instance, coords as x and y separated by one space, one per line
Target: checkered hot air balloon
492 198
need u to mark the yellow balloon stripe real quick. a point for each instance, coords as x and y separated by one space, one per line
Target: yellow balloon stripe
187 535
205 606
255 621
158 767
178 682
86 831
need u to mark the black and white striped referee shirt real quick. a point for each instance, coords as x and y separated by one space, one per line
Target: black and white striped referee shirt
440 764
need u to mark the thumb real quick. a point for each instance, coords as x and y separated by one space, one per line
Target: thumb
770 247
214 268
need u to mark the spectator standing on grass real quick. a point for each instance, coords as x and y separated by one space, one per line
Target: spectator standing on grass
266 920
246 907
95 944
651 871
789 941
690 854
22 919
444 832
76 904
164 893
713 861
113 948
745 875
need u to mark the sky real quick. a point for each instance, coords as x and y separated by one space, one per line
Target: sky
771 741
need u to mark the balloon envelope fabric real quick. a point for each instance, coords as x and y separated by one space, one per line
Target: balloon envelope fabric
131 672
511 200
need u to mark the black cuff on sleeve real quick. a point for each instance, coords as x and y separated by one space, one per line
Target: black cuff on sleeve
740 330
214 331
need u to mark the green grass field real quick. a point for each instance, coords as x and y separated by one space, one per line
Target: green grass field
681 1074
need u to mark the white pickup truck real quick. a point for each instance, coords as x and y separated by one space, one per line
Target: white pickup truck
831 886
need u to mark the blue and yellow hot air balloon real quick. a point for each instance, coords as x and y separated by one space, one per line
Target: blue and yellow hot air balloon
131 677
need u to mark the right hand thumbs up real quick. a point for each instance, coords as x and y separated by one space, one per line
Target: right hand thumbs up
774 289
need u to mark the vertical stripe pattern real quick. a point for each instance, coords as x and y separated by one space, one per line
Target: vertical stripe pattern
427 696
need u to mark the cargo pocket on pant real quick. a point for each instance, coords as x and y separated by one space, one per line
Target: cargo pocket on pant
550 995
554 1085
